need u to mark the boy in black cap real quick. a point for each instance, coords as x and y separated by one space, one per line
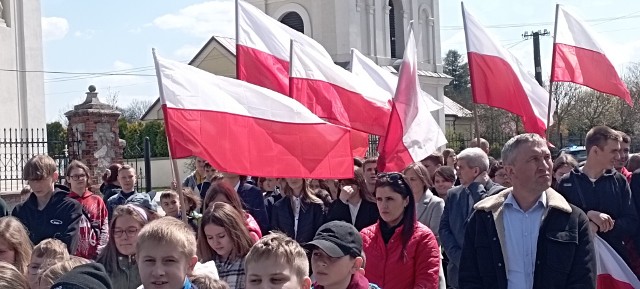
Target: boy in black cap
336 257
88 276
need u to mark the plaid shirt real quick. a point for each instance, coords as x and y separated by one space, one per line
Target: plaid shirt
231 271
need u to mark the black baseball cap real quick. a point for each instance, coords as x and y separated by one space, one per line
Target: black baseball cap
337 239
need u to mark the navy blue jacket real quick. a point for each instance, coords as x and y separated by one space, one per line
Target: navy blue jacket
253 202
59 219
310 218
609 194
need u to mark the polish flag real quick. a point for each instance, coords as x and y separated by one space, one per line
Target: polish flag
246 129
413 133
579 58
499 80
375 75
337 95
262 48
613 272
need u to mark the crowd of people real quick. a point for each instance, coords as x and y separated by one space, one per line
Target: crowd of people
454 220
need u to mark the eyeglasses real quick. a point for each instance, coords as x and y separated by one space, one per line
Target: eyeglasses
130 232
393 177
78 177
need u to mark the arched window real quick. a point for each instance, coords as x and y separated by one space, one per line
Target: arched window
392 29
396 28
293 20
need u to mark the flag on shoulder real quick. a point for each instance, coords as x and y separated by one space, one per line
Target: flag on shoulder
413 133
499 80
246 129
579 58
613 272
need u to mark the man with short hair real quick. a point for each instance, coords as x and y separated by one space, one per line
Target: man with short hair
475 184
370 173
601 192
433 162
634 163
484 144
625 147
527 236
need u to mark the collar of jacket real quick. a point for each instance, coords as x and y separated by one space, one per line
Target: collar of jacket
495 203
607 173
358 281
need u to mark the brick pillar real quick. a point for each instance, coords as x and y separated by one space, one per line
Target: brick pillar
93 135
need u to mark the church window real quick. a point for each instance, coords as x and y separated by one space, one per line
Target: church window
293 20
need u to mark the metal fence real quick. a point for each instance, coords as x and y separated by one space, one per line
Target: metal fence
134 156
17 146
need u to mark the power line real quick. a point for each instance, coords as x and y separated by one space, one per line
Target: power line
516 25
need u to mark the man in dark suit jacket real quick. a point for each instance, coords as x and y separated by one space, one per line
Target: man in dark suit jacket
252 199
473 167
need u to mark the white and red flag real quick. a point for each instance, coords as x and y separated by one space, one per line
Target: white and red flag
613 272
337 95
578 57
413 133
247 129
499 80
262 48
374 75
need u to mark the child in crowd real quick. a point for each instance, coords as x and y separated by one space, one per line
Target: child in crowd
12 278
127 179
110 185
58 269
222 192
271 192
48 212
15 246
166 245
94 229
170 203
87 276
144 202
202 281
118 257
222 237
336 257
48 251
300 213
277 262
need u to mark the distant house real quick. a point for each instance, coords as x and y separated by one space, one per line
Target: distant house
218 57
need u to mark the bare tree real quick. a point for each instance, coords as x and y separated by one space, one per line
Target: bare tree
135 109
112 98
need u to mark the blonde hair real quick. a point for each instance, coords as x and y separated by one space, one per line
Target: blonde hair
284 249
51 249
203 281
13 232
168 231
10 277
225 216
55 271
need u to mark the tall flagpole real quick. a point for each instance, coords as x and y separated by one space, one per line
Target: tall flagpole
553 61
174 162
475 106
237 38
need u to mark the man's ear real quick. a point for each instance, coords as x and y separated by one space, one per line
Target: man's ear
55 176
306 283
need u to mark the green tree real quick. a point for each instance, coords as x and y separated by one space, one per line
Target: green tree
56 138
459 88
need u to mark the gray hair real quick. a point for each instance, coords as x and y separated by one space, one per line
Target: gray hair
510 149
475 158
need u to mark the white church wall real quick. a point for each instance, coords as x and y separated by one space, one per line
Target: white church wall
22 93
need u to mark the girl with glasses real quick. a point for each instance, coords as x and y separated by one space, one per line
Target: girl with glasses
94 226
118 257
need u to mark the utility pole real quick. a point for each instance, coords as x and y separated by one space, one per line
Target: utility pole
536 51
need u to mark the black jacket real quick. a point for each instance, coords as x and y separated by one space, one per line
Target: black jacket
609 194
367 213
635 192
59 219
253 202
565 257
310 219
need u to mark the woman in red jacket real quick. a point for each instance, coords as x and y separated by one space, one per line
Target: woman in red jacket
401 252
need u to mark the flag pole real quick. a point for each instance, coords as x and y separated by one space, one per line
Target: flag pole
237 38
475 106
174 162
553 61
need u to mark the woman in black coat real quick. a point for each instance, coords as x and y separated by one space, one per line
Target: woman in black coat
299 214
354 204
